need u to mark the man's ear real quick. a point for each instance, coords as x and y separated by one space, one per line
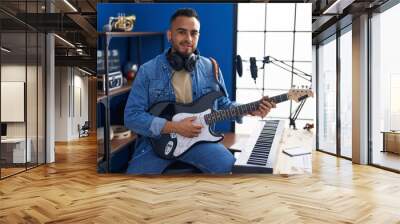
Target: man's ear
169 35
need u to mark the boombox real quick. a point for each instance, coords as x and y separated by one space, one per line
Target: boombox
115 80
113 61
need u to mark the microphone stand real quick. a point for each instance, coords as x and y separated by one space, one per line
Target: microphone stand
281 64
299 73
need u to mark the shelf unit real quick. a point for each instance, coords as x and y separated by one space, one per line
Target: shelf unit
116 145
101 96
113 146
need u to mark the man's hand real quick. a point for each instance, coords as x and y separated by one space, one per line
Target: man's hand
185 127
264 108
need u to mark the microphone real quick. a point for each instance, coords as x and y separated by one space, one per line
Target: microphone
253 68
239 65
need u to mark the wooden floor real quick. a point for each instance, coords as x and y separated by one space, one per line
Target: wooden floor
387 159
11 170
70 191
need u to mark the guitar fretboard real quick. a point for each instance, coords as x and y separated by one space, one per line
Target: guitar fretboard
241 110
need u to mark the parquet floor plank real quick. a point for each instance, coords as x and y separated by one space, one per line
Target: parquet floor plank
70 191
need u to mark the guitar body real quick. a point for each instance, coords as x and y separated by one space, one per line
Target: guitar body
170 146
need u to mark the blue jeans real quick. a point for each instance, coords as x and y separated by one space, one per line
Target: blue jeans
211 158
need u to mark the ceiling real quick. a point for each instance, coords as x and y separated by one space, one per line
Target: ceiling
329 16
76 23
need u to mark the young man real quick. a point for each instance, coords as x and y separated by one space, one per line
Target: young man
180 74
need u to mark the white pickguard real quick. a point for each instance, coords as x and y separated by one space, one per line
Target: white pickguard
184 143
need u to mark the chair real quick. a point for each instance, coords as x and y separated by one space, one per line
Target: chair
84 130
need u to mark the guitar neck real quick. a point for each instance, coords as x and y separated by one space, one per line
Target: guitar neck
229 114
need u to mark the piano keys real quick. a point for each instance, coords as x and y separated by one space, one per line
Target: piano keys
260 151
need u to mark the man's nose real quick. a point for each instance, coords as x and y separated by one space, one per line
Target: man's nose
188 37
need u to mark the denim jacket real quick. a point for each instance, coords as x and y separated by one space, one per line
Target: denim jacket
153 84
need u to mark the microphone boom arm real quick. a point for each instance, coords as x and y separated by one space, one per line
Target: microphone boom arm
281 64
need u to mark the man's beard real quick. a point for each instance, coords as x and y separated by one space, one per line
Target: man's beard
176 48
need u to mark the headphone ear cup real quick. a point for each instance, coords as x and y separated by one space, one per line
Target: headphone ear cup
176 61
191 62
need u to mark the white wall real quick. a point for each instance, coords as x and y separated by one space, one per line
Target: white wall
33 127
61 103
12 73
71 93
80 100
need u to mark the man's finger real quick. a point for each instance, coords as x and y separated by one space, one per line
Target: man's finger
197 126
265 98
267 103
263 109
196 132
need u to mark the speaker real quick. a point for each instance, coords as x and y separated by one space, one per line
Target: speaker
239 65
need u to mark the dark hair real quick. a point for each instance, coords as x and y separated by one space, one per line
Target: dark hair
188 12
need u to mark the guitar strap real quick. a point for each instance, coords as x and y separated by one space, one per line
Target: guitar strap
215 68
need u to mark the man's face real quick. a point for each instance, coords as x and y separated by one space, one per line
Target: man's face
184 34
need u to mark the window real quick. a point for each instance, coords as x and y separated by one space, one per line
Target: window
346 94
385 85
22 66
327 96
283 32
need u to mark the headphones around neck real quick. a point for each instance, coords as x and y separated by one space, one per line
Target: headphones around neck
179 62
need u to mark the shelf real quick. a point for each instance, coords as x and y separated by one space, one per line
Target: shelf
124 89
116 145
130 34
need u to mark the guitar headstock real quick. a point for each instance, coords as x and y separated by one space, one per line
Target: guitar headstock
299 94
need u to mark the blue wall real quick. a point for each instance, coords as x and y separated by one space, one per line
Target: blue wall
216 33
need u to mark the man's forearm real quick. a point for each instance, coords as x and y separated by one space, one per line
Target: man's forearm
169 127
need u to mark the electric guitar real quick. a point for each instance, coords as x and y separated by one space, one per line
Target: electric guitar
170 146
